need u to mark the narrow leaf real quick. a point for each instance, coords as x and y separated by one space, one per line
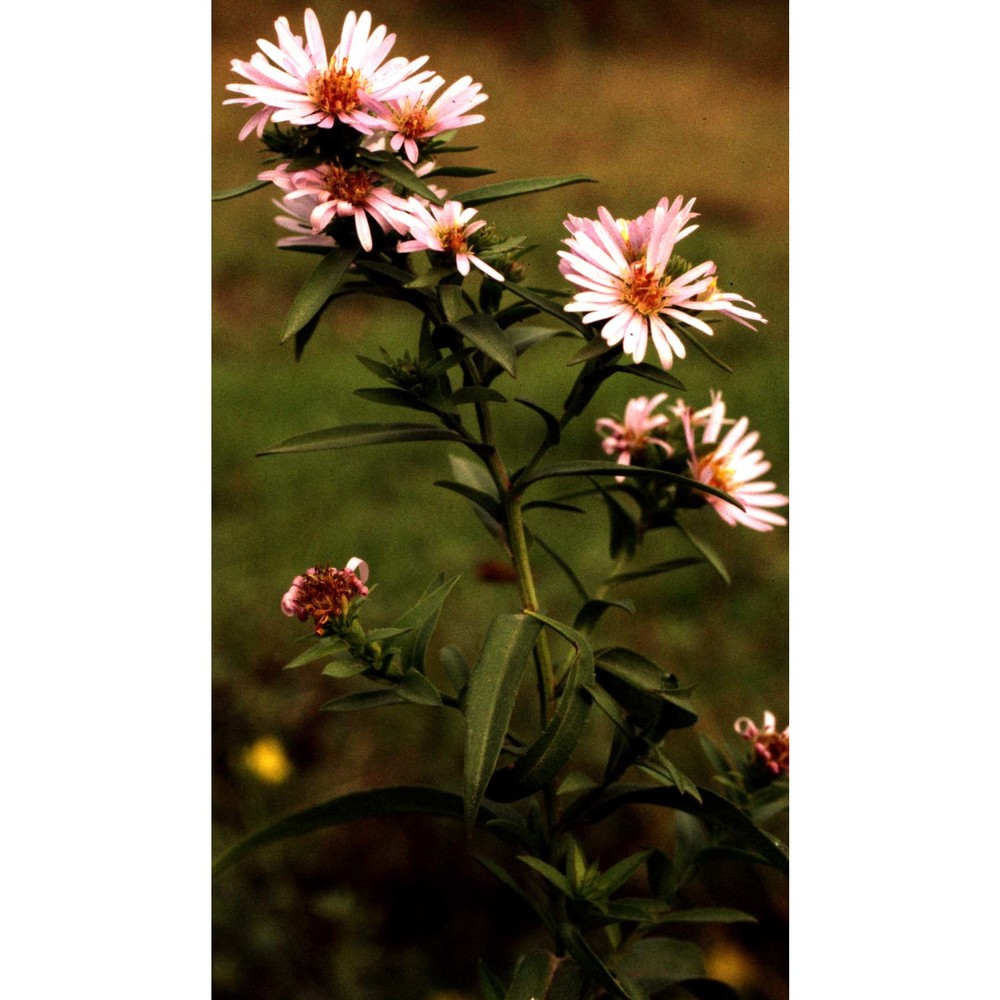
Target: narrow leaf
237 191
357 435
459 171
548 872
319 286
592 611
699 346
325 647
485 333
592 965
482 500
416 688
514 189
394 397
362 700
709 915
705 549
547 305
656 569
595 349
618 874
422 619
394 169
531 977
456 667
565 567
476 394
552 430
490 700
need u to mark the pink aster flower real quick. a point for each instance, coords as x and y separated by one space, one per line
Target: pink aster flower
299 85
413 117
633 435
344 192
731 466
446 229
770 746
298 213
325 593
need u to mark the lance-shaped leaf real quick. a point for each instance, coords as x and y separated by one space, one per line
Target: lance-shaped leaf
395 397
547 756
541 301
552 429
705 549
593 610
490 700
361 701
656 569
237 191
422 619
319 286
484 332
531 976
484 501
713 808
514 189
459 171
396 801
659 961
590 962
698 345
395 170
642 370
357 435
583 468
508 880
564 566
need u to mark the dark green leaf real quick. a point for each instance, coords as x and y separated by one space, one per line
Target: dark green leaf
552 505
709 915
623 531
643 370
490 986
531 977
396 801
477 394
590 614
395 170
377 367
715 756
356 435
578 468
453 302
514 189
704 548
548 872
319 286
236 192
546 757
490 700
552 429
344 666
458 171
659 961
385 635
472 474
483 332
394 397
385 274
327 646
430 278
422 619
618 874
565 567
525 337
656 569
482 500
595 349
699 346
416 688
547 305
592 965
456 667
666 772
362 701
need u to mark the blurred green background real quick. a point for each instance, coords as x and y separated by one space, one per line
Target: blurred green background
650 99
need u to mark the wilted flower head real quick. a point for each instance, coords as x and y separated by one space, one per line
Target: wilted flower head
414 116
633 435
325 593
731 466
770 746
446 229
299 85
633 285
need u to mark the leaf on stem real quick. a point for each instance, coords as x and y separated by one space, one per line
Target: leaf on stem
395 170
655 570
357 435
484 332
237 191
490 701
711 556
422 619
548 305
516 188
319 286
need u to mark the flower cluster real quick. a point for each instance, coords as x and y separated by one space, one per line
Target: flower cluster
770 746
634 285
356 102
325 593
729 465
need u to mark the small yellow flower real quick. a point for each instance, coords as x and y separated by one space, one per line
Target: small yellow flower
266 760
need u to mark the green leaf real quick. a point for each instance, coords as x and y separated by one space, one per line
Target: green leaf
565 567
525 337
484 332
651 373
236 192
660 961
394 397
623 531
476 394
344 666
664 770
422 619
430 278
592 611
483 501
326 646
709 915
385 635
531 977
546 757
514 189
547 305
395 170
377 367
704 548
552 505
489 984
459 171
319 286
592 965
618 874
384 274
656 569
393 801
548 872
578 468
362 700
699 346
453 302
475 476
594 349
644 675
720 764
490 700
456 667
417 689
357 435
552 430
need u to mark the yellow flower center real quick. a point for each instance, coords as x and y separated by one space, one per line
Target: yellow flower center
722 473
643 290
412 121
453 239
352 186
709 293
335 91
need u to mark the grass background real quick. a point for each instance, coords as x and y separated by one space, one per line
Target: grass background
651 99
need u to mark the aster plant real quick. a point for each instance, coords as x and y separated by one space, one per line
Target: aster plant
360 141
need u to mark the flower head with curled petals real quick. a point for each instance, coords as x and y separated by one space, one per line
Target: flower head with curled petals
732 466
414 117
633 435
325 593
446 229
770 746
297 83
